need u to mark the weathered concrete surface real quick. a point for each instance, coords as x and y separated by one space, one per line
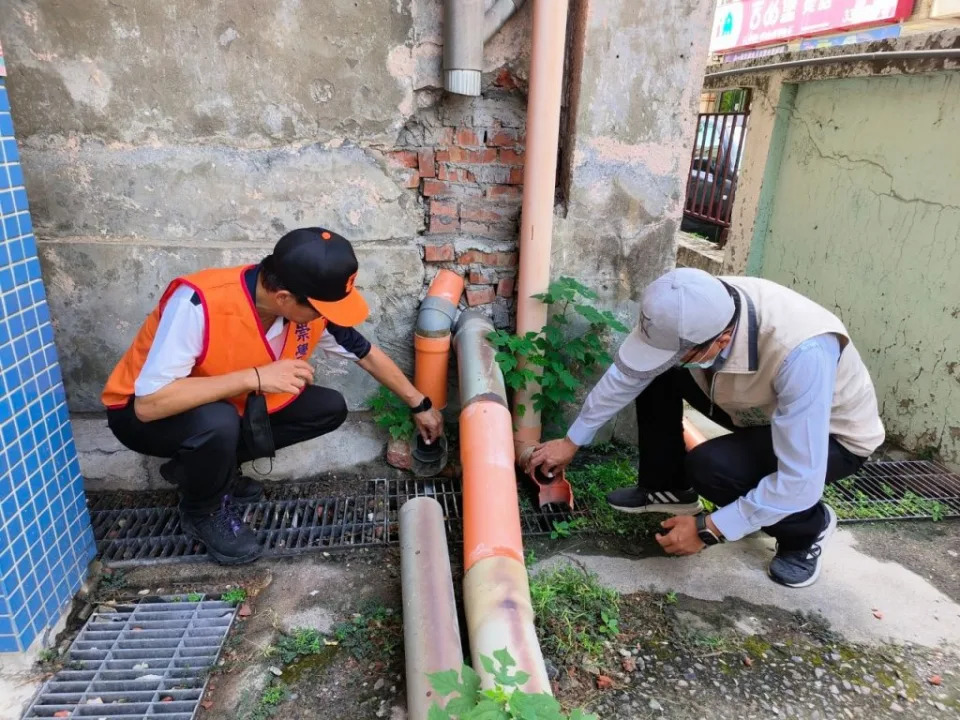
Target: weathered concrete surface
240 72
214 193
99 293
851 587
107 465
695 252
626 165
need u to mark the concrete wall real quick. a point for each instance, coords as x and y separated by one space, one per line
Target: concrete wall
875 237
159 138
854 202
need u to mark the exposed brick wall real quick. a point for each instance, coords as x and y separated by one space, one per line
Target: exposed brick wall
466 159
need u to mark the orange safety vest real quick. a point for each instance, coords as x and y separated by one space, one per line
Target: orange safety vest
233 337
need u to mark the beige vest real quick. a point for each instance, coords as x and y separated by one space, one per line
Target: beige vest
773 321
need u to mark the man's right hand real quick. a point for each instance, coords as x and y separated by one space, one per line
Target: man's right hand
553 457
285 376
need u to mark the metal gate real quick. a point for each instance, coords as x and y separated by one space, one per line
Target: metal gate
715 169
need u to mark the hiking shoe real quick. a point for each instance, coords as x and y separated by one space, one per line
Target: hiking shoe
640 500
800 568
227 539
245 490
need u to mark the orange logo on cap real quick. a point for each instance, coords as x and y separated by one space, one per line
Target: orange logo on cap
350 281
325 235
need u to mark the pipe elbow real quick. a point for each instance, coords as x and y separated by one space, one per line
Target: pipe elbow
439 308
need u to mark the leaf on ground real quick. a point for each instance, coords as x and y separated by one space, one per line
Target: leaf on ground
935 680
206 704
604 682
748 661
245 611
878 615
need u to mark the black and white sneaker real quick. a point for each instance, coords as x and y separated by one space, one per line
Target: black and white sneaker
640 500
800 568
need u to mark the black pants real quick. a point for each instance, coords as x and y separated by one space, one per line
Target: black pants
727 467
205 445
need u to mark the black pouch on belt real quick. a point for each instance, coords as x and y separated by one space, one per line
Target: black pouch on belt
255 428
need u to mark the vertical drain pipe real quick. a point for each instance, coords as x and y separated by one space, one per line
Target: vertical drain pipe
539 188
496 591
465 31
431 633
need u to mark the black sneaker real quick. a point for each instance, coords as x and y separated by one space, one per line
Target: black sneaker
227 539
640 500
245 490
800 568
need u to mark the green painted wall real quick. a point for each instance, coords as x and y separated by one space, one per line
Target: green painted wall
865 219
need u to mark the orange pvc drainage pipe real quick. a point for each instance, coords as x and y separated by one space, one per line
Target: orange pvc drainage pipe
548 40
496 590
692 435
431 340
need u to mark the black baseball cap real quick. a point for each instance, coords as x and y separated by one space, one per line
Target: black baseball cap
320 265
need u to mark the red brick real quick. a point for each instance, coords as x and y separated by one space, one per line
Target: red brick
466 137
516 176
505 286
425 162
412 180
443 224
439 207
505 79
504 192
483 276
403 158
502 138
480 214
459 155
438 253
445 172
398 454
507 157
471 257
480 295
435 187
502 259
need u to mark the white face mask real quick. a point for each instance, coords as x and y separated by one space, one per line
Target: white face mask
701 364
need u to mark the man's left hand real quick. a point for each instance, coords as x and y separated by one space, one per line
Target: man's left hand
429 424
682 538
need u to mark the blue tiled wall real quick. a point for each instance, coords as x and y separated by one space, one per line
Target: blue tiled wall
45 536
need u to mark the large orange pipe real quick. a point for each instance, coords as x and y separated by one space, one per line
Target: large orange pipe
431 340
539 186
496 593
692 435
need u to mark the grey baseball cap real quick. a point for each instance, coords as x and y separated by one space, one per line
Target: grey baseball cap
678 311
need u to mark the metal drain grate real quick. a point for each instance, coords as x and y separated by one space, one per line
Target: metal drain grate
912 489
139 536
145 660
897 490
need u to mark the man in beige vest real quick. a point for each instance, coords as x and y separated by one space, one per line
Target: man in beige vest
770 365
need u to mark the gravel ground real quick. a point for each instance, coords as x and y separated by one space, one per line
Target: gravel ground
727 661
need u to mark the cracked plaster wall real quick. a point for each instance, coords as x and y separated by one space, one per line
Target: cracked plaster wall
158 138
865 219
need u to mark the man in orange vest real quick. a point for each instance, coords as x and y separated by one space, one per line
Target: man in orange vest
225 344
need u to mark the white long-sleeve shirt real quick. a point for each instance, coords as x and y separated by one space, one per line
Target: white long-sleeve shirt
800 426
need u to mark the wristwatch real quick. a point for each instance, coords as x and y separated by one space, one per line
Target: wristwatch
705 533
424 405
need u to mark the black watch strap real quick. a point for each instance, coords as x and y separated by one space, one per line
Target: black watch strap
705 533
424 405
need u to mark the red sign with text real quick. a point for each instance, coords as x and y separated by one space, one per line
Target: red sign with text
739 25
